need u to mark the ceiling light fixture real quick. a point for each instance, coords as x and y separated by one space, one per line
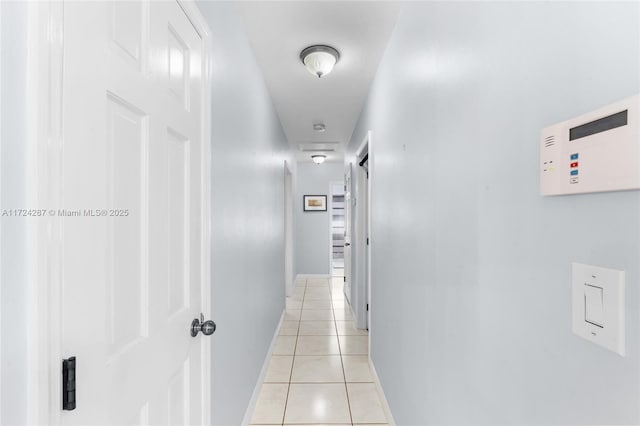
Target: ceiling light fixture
318 158
319 127
319 59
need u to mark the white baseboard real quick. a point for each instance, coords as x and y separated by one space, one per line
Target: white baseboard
265 366
383 398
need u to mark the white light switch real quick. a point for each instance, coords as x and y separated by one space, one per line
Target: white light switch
598 299
593 308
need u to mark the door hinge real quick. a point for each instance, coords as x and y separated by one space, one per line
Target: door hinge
367 307
344 279
69 383
367 240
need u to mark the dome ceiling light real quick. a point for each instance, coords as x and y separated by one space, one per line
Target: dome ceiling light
319 59
318 158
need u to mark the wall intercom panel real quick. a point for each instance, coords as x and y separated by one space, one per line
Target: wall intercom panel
595 152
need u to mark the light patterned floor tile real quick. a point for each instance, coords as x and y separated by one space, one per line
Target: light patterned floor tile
317 282
339 304
271 404
317 315
317 304
317 293
289 328
343 314
317 328
292 303
298 298
365 403
354 345
348 328
317 369
356 368
317 350
292 314
279 370
285 345
317 345
317 403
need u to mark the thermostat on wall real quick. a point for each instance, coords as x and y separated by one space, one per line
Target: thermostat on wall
595 152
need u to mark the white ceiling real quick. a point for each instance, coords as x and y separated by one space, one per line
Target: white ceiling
278 31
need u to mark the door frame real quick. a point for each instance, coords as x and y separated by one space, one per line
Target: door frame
363 251
289 229
44 144
349 231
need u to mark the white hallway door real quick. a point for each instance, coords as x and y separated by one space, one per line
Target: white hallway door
133 280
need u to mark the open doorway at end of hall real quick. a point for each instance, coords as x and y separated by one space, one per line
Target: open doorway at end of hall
336 240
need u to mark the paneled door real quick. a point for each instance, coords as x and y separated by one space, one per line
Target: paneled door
133 238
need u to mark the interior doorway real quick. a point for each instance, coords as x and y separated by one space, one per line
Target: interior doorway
348 231
336 242
363 234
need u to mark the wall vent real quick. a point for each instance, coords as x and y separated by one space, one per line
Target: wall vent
318 146
317 150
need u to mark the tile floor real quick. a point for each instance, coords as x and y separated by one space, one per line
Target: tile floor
319 369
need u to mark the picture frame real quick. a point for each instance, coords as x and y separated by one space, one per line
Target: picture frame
314 203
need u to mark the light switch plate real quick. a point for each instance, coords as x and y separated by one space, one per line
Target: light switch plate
594 305
609 329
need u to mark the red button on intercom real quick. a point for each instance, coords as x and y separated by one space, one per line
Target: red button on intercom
574 164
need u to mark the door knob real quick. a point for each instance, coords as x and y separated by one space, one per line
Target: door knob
347 244
200 325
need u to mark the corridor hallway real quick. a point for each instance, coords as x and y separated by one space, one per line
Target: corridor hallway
319 370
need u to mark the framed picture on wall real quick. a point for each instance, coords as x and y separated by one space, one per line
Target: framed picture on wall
315 203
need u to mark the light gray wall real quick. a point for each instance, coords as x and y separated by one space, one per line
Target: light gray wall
13 266
471 266
312 228
249 149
